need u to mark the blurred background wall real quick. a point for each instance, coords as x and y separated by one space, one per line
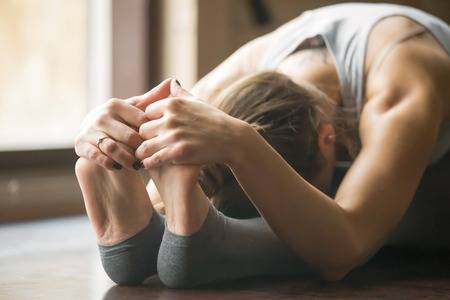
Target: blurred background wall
59 59
198 34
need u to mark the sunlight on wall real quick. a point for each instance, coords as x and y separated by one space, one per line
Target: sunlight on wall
43 81
179 41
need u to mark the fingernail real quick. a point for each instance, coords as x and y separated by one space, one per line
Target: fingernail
138 165
175 87
117 166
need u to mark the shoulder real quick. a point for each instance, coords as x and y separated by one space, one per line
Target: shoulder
416 68
385 32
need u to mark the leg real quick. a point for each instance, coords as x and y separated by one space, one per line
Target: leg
222 249
128 231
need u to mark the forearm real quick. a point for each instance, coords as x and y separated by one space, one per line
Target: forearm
314 225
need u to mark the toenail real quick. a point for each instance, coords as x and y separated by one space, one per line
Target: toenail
117 166
138 165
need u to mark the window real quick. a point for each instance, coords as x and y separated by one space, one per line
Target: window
43 74
55 59
45 50
58 60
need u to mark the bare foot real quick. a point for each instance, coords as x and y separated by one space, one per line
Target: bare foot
117 202
186 206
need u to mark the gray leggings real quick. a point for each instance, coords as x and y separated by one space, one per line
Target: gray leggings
223 249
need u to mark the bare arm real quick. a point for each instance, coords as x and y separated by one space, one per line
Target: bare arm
241 63
399 126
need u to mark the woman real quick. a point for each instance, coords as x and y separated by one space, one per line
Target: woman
388 65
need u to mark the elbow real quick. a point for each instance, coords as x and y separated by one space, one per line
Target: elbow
334 275
340 266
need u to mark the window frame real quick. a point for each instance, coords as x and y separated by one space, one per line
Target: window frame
57 192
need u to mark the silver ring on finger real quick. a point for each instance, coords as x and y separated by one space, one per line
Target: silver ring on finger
100 140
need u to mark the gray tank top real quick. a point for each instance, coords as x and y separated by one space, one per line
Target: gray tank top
344 28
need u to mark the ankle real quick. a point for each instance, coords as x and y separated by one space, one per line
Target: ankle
116 231
185 216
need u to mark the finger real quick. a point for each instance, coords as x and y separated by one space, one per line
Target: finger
177 90
158 109
127 148
155 111
149 129
128 113
134 100
173 154
137 163
122 133
149 147
116 152
92 139
159 92
157 159
92 153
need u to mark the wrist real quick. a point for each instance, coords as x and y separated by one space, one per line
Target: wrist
243 137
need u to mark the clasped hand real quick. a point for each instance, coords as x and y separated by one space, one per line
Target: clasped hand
167 125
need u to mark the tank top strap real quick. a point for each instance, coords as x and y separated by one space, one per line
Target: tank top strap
387 49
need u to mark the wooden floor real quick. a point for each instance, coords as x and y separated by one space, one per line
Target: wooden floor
57 259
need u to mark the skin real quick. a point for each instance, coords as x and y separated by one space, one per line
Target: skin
117 202
406 101
117 121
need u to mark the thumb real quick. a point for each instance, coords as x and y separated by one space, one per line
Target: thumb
177 90
161 91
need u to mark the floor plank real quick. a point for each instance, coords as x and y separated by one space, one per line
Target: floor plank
57 259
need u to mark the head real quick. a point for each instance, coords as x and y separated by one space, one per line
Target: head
298 121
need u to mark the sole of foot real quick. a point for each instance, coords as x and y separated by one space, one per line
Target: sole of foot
117 202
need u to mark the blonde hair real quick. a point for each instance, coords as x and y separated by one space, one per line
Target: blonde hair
285 114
